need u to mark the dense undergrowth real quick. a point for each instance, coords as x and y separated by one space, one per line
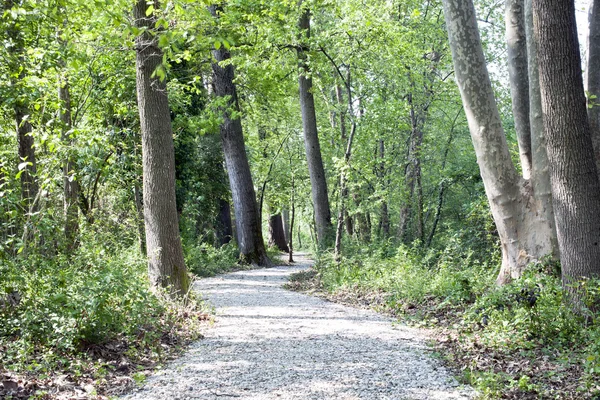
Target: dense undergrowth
519 341
87 323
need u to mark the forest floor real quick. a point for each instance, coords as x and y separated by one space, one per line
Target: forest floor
271 343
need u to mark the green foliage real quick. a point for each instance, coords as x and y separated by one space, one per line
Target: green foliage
525 323
67 304
205 260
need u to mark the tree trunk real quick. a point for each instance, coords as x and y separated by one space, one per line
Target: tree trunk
285 215
574 178
524 233
292 220
26 153
540 174
166 265
519 79
247 218
316 171
592 76
224 225
384 217
71 185
276 233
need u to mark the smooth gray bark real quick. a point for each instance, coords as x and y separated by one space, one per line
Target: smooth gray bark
574 177
166 266
592 76
247 218
523 233
540 173
318 180
519 80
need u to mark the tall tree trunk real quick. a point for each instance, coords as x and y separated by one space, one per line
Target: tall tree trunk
292 220
574 177
384 217
519 79
592 76
524 234
540 174
71 185
316 171
247 218
166 264
413 209
276 233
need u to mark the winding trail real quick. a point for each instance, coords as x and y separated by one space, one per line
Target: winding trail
270 343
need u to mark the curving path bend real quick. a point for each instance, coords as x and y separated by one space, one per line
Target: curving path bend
270 343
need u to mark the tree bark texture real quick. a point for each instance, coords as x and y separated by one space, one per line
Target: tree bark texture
592 76
247 218
519 80
166 264
276 233
522 229
574 178
540 173
318 180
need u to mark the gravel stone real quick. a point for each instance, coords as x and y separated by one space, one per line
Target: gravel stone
270 343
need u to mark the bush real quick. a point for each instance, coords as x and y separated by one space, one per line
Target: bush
205 260
67 304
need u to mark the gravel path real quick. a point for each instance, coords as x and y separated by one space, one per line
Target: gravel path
270 343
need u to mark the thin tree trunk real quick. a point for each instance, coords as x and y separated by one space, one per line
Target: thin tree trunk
166 264
316 170
285 214
592 76
71 185
524 235
519 79
247 218
384 217
292 220
574 177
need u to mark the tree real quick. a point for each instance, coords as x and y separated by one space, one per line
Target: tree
17 66
592 76
166 265
318 180
524 231
247 219
519 79
574 177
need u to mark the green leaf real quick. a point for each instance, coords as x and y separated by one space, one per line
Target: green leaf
149 11
217 44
